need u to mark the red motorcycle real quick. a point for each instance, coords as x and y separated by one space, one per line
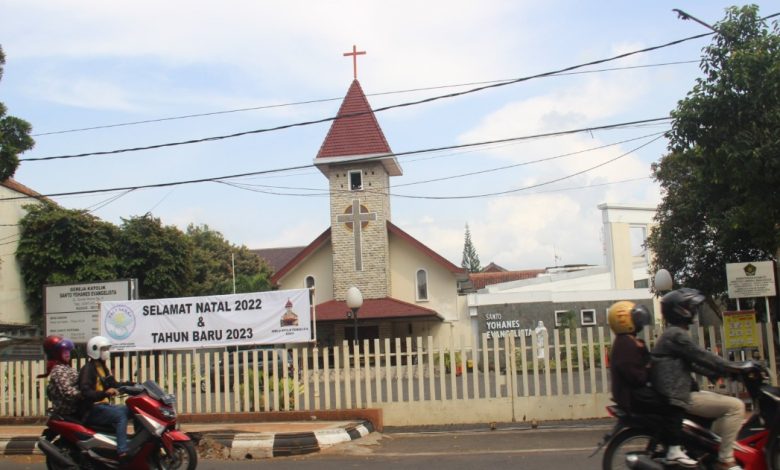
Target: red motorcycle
155 444
634 441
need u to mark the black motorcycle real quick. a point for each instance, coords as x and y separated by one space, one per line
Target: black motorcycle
634 441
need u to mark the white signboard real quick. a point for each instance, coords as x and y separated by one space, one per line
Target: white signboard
73 310
752 279
196 322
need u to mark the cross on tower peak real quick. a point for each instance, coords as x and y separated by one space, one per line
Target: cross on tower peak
354 55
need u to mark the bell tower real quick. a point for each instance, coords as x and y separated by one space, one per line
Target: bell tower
358 162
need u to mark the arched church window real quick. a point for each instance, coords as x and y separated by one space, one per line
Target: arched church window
422 284
356 180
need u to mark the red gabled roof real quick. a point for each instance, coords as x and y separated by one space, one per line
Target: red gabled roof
392 228
277 258
354 135
480 280
374 309
302 255
14 185
493 268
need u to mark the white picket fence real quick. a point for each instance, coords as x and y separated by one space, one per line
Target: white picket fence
414 380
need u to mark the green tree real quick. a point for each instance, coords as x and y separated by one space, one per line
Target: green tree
60 246
720 198
14 136
470 260
213 264
160 257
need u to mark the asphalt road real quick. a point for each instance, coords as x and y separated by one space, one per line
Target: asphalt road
543 448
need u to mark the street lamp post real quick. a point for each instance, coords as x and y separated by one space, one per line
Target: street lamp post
354 302
662 281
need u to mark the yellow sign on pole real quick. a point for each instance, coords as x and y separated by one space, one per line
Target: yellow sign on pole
741 329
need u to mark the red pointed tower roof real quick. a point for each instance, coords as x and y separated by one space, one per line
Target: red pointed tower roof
355 133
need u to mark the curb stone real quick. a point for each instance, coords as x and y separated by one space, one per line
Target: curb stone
239 445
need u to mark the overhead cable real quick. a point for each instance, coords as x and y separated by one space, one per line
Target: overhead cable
325 100
367 159
380 109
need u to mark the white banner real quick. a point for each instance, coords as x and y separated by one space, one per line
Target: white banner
273 317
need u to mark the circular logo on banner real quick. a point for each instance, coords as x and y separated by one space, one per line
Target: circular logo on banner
120 322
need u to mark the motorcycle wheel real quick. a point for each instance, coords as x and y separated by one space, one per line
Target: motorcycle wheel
630 441
65 448
184 457
772 450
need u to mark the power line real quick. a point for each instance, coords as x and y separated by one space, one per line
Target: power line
477 196
380 109
546 159
255 187
325 100
380 157
571 188
545 183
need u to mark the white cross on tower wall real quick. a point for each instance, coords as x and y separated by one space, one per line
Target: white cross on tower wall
356 218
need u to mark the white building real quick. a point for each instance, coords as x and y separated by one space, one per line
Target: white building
581 294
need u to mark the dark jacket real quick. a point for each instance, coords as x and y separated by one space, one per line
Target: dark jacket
88 379
675 356
629 368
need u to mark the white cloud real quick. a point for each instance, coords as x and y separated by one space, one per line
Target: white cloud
84 93
273 44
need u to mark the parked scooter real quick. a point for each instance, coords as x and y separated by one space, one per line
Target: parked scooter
155 444
634 441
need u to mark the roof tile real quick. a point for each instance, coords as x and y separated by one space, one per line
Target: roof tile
354 135
481 280
386 307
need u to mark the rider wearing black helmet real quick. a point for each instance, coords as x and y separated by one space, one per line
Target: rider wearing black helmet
676 356
630 373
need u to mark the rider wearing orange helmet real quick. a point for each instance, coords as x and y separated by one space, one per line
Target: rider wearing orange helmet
630 373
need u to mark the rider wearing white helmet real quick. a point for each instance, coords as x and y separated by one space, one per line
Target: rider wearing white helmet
97 384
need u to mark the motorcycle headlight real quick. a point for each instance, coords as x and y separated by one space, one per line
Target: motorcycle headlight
168 413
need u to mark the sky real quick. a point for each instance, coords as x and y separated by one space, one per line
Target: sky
237 66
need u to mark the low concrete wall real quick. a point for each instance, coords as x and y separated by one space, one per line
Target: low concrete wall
485 410
374 415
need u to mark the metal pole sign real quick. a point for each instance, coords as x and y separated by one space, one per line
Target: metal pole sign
751 279
72 310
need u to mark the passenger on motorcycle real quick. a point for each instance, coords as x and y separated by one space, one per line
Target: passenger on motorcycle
630 374
62 390
97 385
675 356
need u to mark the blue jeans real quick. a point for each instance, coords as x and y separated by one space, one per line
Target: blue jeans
115 416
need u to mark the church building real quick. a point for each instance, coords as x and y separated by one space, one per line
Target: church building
408 288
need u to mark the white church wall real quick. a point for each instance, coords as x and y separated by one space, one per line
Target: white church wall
405 261
319 265
13 308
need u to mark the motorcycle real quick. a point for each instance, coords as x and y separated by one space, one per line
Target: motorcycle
68 443
634 441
